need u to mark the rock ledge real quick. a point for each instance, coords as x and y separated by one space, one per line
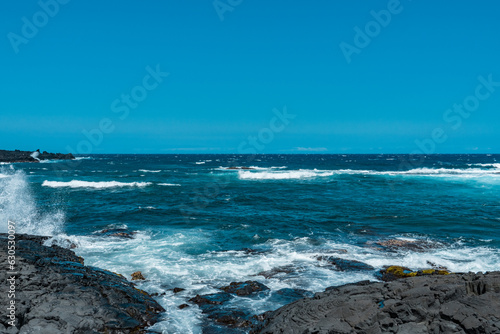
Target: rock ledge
56 293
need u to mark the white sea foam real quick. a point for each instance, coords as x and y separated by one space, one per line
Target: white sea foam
200 162
254 168
169 184
18 205
167 261
283 175
83 158
495 165
149 171
95 185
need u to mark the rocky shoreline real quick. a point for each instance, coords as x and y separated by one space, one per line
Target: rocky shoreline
29 156
56 293
455 303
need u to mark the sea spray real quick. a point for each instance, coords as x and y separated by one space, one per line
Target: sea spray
17 204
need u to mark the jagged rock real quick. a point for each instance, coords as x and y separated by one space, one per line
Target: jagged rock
392 273
137 276
278 271
218 309
177 290
455 303
412 245
346 265
117 232
57 293
244 288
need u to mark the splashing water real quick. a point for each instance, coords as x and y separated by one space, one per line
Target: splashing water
17 204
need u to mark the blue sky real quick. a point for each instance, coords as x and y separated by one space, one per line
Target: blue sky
72 74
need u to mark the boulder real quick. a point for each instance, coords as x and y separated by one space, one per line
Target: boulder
137 276
244 288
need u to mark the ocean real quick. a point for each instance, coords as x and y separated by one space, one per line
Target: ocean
197 225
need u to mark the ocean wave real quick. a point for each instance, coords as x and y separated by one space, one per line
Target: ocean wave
448 171
260 173
95 185
494 165
83 158
250 168
17 204
283 175
149 171
169 184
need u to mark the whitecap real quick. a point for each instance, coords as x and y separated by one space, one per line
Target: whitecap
95 185
169 184
283 175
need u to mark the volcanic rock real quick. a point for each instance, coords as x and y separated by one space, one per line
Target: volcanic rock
57 293
455 303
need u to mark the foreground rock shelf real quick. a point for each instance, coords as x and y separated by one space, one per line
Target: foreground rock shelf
455 303
56 293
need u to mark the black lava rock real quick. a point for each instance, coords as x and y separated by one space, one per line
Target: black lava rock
25 156
57 293
455 303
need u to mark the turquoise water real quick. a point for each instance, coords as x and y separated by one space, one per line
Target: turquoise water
200 225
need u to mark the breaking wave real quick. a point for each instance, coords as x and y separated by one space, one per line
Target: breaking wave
17 204
95 185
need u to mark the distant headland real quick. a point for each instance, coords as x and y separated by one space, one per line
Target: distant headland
29 156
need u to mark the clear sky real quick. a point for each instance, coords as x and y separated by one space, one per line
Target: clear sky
77 76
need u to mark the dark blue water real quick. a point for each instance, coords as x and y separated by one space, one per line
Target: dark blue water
194 218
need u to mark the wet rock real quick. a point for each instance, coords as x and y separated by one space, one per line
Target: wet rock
392 273
287 295
244 288
436 266
346 265
183 306
211 299
177 290
137 276
411 245
455 303
117 232
222 309
56 293
278 271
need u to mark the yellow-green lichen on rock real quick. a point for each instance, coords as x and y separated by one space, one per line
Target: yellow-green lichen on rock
394 272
